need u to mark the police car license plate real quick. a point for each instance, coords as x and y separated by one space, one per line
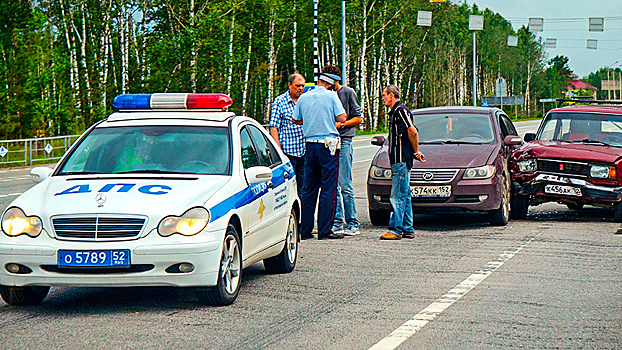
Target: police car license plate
94 258
564 190
430 191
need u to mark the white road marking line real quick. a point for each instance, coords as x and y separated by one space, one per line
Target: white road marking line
12 170
366 146
8 179
363 161
410 327
10 195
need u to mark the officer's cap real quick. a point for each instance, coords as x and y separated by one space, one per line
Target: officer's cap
329 78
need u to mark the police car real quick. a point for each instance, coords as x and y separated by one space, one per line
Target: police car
172 190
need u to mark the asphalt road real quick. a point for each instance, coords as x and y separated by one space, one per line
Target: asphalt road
550 281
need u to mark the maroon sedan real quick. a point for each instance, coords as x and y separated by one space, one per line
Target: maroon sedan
467 151
575 159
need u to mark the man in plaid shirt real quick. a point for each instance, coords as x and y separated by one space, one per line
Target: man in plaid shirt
288 136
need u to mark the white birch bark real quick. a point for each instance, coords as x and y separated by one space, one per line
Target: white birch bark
104 65
230 55
193 50
271 67
246 70
362 72
73 73
83 65
294 34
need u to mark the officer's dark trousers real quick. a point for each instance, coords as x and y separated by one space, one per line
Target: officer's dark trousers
321 171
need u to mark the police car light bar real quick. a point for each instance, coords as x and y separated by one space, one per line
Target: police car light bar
172 101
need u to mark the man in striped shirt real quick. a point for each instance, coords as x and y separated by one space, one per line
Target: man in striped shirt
403 149
288 136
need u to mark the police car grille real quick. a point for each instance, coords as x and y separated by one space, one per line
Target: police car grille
94 227
444 175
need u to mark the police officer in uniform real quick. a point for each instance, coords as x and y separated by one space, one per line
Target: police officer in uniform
318 111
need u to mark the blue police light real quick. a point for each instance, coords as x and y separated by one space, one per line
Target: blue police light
132 101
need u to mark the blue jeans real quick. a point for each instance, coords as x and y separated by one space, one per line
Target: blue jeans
402 218
345 192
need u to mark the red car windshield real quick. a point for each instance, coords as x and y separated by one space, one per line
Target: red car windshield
582 127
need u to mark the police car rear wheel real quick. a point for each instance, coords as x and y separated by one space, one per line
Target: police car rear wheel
229 275
23 295
286 260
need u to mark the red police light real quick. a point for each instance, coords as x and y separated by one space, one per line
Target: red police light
208 101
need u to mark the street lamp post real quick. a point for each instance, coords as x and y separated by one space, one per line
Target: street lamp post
344 69
475 23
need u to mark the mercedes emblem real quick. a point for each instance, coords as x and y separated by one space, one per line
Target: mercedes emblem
100 199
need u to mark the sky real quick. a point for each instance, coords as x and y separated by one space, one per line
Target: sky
567 21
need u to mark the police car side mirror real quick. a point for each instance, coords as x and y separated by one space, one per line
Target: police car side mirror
377 141
258 174
530 136
40 173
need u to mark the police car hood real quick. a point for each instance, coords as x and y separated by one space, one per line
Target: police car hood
150 196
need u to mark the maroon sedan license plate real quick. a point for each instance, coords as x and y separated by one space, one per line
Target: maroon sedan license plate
430 191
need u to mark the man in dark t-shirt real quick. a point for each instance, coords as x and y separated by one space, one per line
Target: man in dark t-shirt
345 215
403 149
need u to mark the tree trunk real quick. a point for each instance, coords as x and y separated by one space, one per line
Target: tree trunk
271 68
193 50
246 71
73 73
230 56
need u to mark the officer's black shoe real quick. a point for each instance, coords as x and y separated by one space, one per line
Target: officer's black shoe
331 236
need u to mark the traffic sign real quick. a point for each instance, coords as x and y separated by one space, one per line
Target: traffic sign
507 100
501 87
3 151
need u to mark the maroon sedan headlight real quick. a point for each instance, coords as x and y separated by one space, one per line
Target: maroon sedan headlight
379 173
479 173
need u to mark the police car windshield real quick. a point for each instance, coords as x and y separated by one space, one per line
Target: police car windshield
151 149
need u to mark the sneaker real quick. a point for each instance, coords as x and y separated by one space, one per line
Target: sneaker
408 235
337 230
351 231
391 236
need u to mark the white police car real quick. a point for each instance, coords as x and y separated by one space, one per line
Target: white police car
172 190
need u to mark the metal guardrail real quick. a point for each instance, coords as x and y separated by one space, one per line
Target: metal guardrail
28 151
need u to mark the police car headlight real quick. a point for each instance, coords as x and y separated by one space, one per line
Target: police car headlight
15 223
380 173
479 173
190 223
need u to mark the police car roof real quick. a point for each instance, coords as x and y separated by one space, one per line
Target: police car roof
125 115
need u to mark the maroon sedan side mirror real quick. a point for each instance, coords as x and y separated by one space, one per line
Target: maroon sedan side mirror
377 141
512 140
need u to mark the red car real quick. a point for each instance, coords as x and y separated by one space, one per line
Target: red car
575 159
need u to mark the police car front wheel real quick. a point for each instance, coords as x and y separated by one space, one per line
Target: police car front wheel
229 274
32 295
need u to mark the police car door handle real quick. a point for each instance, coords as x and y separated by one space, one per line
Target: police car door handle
286 175
270 184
